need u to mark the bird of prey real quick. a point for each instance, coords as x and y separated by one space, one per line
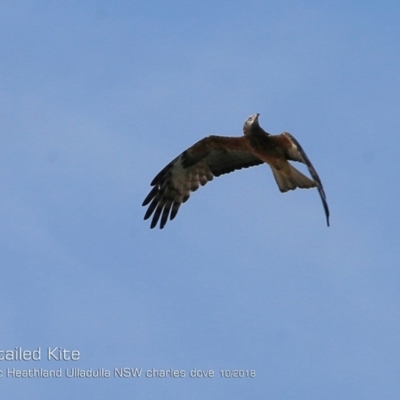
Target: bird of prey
217 155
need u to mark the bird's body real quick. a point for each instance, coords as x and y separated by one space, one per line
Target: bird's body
217 155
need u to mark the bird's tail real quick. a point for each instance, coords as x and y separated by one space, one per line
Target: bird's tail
292 179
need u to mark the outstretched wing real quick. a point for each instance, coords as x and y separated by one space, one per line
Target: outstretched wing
211 156
295 152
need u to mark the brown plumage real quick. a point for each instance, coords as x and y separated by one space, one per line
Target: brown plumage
217 155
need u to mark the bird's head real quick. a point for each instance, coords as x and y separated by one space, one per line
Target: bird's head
251 123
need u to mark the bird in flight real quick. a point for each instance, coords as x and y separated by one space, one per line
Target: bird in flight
218 155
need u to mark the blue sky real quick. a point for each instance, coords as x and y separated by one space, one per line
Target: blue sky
96 97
